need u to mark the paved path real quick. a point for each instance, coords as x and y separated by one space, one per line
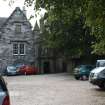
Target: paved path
53 89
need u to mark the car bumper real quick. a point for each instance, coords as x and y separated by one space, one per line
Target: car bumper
10 74
80 75
97 81
76 75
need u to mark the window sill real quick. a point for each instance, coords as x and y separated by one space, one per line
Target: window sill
19 54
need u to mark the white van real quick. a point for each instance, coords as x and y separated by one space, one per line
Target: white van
97 75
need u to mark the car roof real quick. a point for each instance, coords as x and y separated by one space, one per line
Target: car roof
85 65
100 60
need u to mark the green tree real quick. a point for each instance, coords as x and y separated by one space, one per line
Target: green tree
69 39
95 18
65 28
69 10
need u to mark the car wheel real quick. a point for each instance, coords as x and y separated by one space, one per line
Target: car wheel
77 78
102 86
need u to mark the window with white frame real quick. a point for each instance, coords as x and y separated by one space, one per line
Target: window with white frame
19 49
22 49
15 49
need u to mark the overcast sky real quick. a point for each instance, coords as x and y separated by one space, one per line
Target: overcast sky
6 10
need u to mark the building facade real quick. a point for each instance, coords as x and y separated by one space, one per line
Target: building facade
19 44
16 40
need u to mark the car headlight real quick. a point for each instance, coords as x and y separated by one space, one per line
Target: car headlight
95 75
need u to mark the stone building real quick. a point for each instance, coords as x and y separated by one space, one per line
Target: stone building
16 39
20 44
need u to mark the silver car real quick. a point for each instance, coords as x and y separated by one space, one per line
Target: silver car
11 70
4 96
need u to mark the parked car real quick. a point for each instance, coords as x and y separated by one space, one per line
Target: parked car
4 95
28 70
11 70
82 71
97 77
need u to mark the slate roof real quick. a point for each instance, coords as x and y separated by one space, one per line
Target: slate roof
16 9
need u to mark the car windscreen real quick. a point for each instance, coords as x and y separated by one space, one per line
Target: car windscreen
83 66
100 64
11 68
89 67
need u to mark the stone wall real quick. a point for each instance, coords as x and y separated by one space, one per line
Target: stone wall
9 36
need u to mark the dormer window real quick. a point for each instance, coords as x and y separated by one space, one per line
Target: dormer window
17 28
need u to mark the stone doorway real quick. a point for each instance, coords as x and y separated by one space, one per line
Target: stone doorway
46 67
64 67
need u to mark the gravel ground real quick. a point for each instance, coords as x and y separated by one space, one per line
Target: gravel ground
53 89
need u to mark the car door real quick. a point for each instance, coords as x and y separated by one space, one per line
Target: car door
4 96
